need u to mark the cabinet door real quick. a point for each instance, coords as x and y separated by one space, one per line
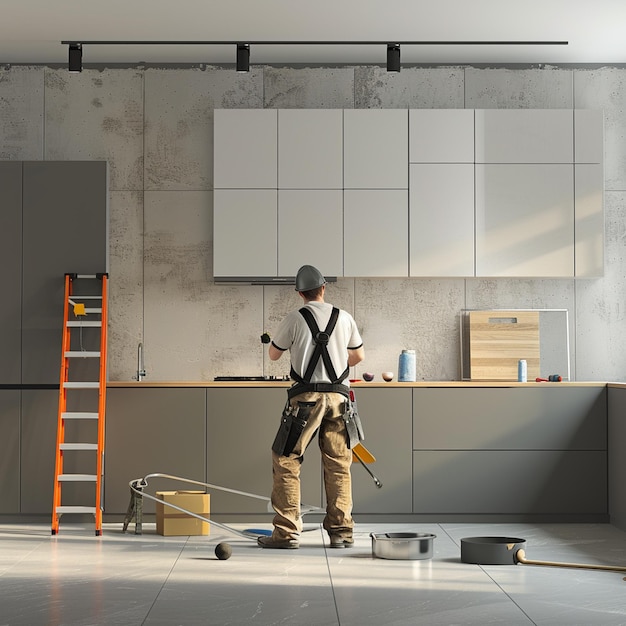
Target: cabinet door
375 236
310 149
310 230
441 218
11 272
589 189
245 149
524 136
375 149
525 220
588 136
441 135
244 232
10 432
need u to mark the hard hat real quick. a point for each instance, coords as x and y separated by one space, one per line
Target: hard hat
309 277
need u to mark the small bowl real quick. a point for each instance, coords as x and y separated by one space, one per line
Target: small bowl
368 376
388 376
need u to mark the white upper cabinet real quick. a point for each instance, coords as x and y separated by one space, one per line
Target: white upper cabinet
244 232
310 149
525 220
589 184
441 135
310 230
245 149
524 136
375 236
441 218
376 148
588 136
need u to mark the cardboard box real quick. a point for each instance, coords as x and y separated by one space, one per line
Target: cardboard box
171 521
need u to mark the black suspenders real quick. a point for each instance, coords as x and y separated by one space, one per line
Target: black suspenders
320 339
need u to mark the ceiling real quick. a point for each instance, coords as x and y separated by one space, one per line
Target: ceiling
31 31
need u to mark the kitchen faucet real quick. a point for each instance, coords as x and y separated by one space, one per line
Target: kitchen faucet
141 370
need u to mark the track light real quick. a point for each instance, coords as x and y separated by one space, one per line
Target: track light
393 57
75 63
243 57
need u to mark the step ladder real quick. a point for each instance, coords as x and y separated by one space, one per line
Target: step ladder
83 367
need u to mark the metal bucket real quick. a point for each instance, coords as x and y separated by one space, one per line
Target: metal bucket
402 546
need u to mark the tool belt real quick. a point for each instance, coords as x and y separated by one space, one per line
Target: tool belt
354 428
299 388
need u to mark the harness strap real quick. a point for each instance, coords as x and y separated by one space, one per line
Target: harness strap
299 388
321 339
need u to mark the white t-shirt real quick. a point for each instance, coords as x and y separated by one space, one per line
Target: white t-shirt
294 335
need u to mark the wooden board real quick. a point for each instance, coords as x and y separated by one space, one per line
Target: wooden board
499 339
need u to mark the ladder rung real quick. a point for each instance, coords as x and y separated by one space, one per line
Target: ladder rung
75 509
78 446
81 354
76 297
78 478
84 323
78 385
77 415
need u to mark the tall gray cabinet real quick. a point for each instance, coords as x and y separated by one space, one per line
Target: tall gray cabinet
53 220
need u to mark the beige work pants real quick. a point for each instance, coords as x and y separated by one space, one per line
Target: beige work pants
326 416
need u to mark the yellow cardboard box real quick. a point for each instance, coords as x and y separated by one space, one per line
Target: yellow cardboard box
170 521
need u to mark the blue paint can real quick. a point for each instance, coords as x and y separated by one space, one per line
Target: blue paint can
406 367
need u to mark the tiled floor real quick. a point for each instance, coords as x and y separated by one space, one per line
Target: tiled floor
125 579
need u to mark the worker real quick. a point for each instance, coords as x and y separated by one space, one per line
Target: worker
319 400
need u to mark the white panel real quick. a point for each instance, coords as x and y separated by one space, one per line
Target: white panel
376 232
589 221
525 220
244 232
245 149
441 136
310 149
310 231
441 217
376 149
588 136
524 136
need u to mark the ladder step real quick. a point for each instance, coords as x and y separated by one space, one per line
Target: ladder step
77 478
78 415
78 385
82 354
78 446
84 324
75 297
75 509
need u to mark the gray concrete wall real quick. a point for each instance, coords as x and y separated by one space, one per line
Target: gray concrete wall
154 126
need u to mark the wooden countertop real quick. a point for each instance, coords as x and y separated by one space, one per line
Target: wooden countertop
357 385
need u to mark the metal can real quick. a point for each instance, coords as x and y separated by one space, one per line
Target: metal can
522 371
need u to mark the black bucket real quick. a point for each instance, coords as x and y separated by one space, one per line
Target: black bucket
491 550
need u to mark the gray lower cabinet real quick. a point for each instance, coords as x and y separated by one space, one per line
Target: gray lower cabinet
539 451
152 431
241 426
9 451
617 459
386 418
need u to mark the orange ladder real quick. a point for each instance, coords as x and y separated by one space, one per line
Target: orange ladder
90 324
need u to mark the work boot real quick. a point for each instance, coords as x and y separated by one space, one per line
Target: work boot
280 544
336 541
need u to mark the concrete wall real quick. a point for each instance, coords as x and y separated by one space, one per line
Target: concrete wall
154 126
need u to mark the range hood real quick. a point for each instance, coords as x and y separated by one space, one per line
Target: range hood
262 280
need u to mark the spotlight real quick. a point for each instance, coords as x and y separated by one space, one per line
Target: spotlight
75 63
243 57
393 57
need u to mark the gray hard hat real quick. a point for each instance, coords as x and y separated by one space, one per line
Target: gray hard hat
309 277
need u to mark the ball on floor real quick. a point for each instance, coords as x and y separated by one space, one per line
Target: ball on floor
223 551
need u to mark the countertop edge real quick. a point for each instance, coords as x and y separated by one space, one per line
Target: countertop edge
356 385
